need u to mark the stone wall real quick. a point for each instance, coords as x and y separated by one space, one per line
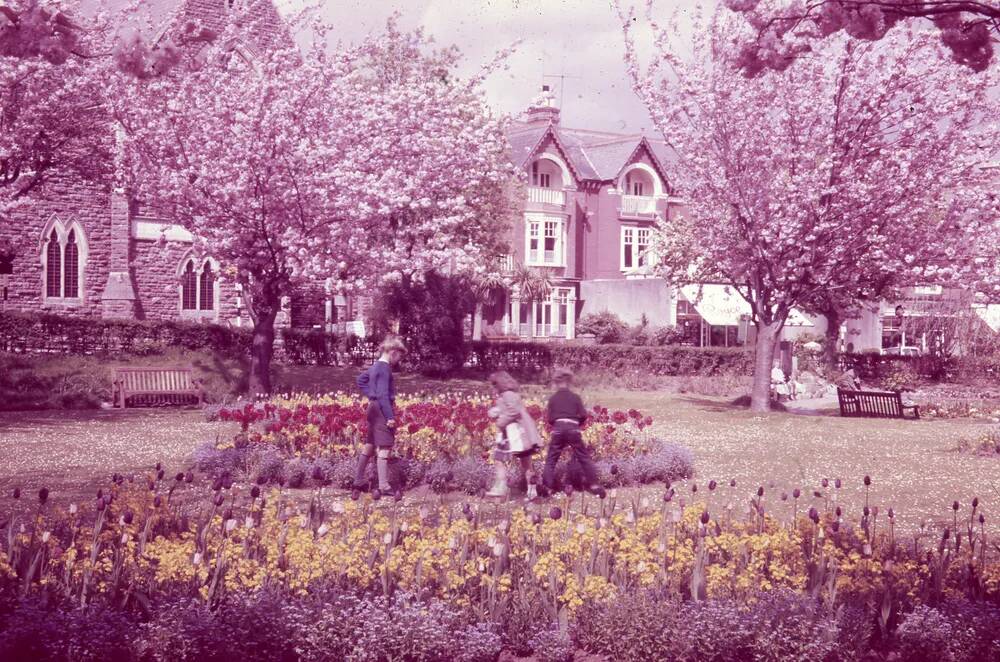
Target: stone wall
87 204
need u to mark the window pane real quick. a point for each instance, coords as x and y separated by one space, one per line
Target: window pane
207 292
189 288
53 257
71 268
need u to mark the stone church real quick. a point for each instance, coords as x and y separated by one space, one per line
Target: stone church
84 248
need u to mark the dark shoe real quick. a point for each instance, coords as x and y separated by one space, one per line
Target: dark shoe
355 494
598 491
376 494
397 496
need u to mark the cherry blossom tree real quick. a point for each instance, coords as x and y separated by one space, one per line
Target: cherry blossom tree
53 121
365 165
820 179
786 29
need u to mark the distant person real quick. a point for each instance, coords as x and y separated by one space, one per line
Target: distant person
848 381
518 434
566 414
378 385
779 384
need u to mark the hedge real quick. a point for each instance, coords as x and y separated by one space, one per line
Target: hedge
672 360
57 334
936 368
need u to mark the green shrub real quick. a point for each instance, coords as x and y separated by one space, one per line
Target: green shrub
606 327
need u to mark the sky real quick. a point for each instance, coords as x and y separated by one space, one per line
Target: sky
579 39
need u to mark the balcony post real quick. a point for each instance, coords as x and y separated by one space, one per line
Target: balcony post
515 314
571 315
554 312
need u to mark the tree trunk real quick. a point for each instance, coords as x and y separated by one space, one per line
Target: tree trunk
760 393
262 347
477 322
832 340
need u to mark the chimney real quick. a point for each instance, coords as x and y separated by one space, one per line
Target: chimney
543 109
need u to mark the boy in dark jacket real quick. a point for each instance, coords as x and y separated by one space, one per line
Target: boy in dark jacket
566 414
378 385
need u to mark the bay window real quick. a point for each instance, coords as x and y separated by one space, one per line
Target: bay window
545 239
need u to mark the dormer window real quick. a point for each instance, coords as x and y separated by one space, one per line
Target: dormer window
540 179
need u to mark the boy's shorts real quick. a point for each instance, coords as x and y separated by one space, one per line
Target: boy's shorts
379 434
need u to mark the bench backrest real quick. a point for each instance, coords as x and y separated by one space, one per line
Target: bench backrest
873 403
155 380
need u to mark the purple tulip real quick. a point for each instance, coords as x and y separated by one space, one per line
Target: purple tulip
189 477
760 491
712 485
868 480
837 483
43 495
555 512
955 506
128 517
796 493
704 517
254 492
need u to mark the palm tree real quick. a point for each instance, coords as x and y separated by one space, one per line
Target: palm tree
488 288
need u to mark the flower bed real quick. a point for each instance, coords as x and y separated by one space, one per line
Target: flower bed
238 571
442 441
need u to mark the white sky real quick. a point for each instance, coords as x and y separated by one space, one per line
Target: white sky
578 38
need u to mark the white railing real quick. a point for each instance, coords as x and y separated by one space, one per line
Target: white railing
638 205
549 196
506 263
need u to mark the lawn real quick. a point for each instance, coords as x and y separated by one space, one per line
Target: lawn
913 464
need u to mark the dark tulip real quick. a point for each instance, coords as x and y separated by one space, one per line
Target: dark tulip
254 492
466 509
694 487
152 486
814 514
158 501
219 500
43 495
784 496
188 477
837 483
160 474
614 469
261 480
839 511
16 493
954 505
760 491
158 466
666 484
865 511
732 482
128 517
868 480
555 512
817 494
536 519
712 485
975 502
355 495
835 526
796 493
179 477
946 534
376 494
568 490
825 483
227 483
875 511
668 496
217 485
228 515
704 517
281 481
982 518
448 477
100 493
890 513
99 506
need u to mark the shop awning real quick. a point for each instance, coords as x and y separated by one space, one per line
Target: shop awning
719 305
722 305
991 315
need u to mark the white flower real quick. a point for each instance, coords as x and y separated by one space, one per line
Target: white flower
45 537
387 539
197 559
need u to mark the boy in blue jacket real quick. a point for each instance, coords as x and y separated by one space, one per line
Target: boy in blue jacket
378 385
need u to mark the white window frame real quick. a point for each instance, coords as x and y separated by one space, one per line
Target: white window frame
641 252
536 225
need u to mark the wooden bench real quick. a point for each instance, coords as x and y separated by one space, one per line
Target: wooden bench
163 385
874 404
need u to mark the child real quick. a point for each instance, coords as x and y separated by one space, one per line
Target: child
566 414
518 431
378 385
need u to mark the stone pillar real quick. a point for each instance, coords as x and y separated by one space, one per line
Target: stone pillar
515 315
118 298
553 313
571 315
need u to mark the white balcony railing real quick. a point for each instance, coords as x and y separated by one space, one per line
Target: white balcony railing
506 264
549 196
638 205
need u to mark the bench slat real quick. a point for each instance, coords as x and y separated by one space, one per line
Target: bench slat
166 382
875 404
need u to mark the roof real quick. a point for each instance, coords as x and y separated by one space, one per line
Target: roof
592 155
